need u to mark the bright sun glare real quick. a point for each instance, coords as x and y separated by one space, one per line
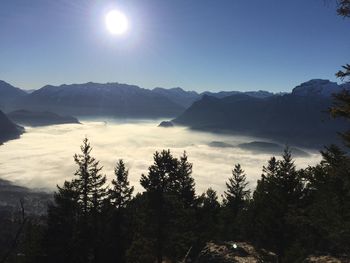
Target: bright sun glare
116 22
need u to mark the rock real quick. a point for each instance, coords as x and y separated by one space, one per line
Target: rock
234 252
327 259
166 124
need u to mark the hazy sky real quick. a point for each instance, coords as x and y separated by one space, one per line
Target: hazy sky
195 44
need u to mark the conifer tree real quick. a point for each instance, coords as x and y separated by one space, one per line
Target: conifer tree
90 182
235 200
63 244
208 217
341 106
186 185
159 182
329 201
237 192
275 204
344 8
116 229
121 193
170 193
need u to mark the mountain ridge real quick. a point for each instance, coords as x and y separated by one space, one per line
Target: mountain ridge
8 129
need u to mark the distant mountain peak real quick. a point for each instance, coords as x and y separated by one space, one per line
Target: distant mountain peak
317 87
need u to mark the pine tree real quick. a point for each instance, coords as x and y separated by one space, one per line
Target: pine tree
275 204
63 244
116 229
186 185
344 8
121 193
90 182
208 213
159 182
329 202
170 192
341 109
341 106
235 200
237 193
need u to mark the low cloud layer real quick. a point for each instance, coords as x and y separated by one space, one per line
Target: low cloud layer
43 157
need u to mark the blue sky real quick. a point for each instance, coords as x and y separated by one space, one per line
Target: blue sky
194 44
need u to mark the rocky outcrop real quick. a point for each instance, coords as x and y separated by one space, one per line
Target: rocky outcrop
234 252
166 124
327 259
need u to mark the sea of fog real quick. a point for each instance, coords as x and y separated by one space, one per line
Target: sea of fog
43 156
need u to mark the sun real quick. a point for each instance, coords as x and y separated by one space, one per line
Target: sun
116 22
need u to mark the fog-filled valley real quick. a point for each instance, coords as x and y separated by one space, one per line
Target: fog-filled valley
43 156
174 131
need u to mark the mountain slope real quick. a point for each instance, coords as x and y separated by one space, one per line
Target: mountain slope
31 118
178 95
186 98
8 130
292 119
9 93
100 99
319 87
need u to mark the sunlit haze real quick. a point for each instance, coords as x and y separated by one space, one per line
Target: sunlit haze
46 154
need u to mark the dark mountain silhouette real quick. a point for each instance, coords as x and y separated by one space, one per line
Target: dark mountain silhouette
10 194
8 130
95 99
8 94
178 95
255 94
111 99
299 118
166 124
186 98
319 87
260 147
270 148
31 118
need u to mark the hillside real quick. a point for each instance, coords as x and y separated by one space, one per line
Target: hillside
30 118
8 94
298 118
93 99
8 130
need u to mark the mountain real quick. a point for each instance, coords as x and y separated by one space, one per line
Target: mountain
186 98
299 118
178 95
270 148
10 194
113 99
8 94
319 87
8 130
31 118
255 94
